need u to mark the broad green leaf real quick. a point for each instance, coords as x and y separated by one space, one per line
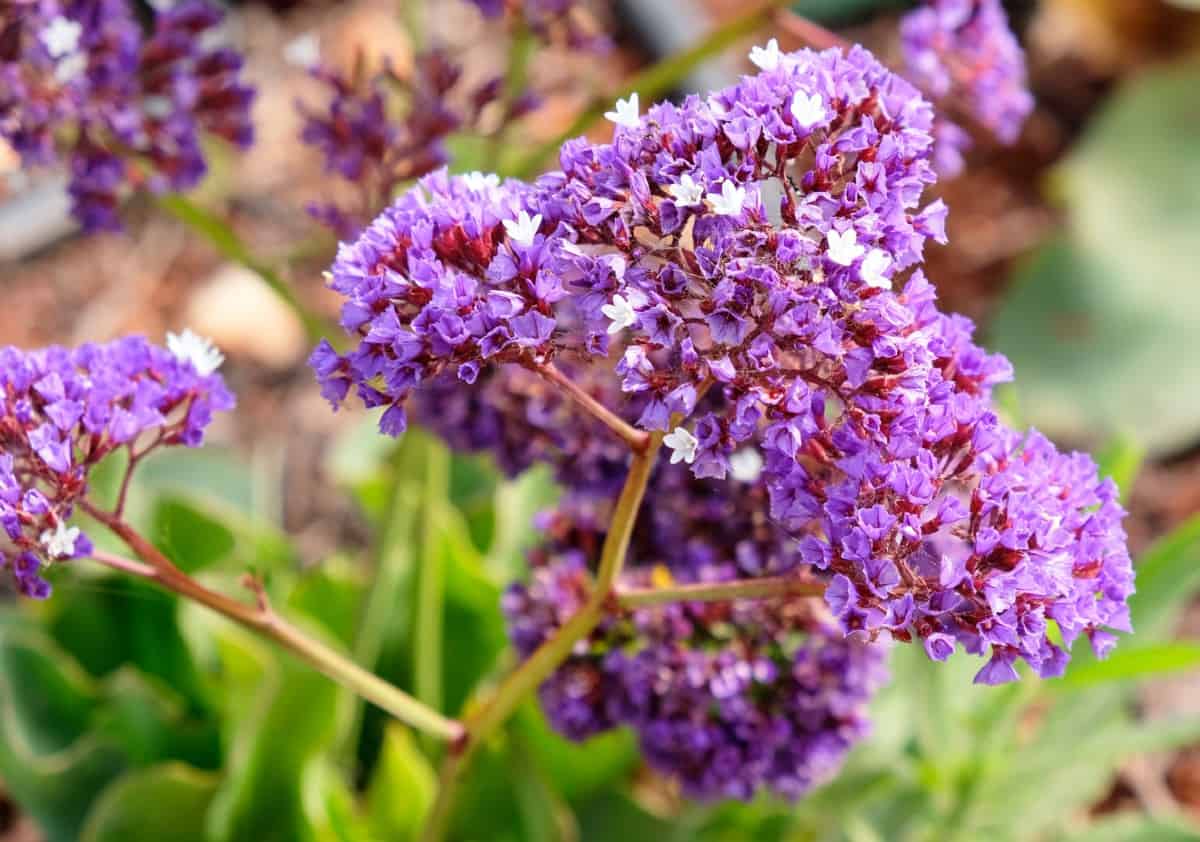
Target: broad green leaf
614 816
1131 662
1134 828
1168 576
1121 459
402 789
578 770
1099 324
156 804
191 539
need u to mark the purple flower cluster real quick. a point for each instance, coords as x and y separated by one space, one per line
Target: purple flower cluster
369 146
965 49
554 21
743 270
62 411
81 84
725 697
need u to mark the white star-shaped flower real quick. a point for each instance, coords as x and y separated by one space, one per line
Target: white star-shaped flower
620 313
60 541
687 191
188 347
746 465
682 445
478 181
626 113
873 266
61 37
766 58
70 67
808 109
843 247
729 201
524 228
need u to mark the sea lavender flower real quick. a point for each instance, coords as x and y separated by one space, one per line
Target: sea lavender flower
62 411
725 697
80 84
964 49
807 335
368 145
553 21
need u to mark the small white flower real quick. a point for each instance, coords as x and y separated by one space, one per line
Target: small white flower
60 541
682 445
808 109
766 58
61 37
70 67
686 192
844 248
304 51
620 313
478 181
523 229
626 113
730 200
746 465
188 347
873 266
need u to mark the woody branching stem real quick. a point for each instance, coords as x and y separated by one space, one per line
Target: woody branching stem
770 587
637 440
262 618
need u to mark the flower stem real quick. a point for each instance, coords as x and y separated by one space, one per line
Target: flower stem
263 619
513 690
637 440
770 587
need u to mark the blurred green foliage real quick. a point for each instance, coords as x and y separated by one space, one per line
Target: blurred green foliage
126 715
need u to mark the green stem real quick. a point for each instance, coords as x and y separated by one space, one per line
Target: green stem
263 619
431 585
227 242
656 80
546 658
635 438
769 587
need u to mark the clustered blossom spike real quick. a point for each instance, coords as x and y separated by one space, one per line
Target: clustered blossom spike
368 145
553 21
726 697
964 49
62 411
80 84
799 327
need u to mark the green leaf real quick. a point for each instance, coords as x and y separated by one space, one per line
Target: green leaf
402 788
167 802
1121 459
1131 663
1097 347
579 771
1135 828
191 539
1168 575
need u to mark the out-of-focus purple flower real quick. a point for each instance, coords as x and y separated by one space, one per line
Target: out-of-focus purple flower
63 410
80 83
728 698
964 49
812 334
555 21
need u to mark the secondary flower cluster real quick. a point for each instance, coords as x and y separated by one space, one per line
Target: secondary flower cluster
62 411
556 21
964 49
80 84
367 144
742 270
725 697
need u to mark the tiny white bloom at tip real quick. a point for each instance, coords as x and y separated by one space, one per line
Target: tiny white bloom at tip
687 191
626 113
620 313
61 37
766 58
304 51
189 347
70 67
873 266
60 541
682 445
808 109
478 181
844 248
746 465
524 228
729 201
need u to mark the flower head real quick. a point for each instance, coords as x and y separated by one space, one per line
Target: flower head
198 351
766 58
682 445
626 112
